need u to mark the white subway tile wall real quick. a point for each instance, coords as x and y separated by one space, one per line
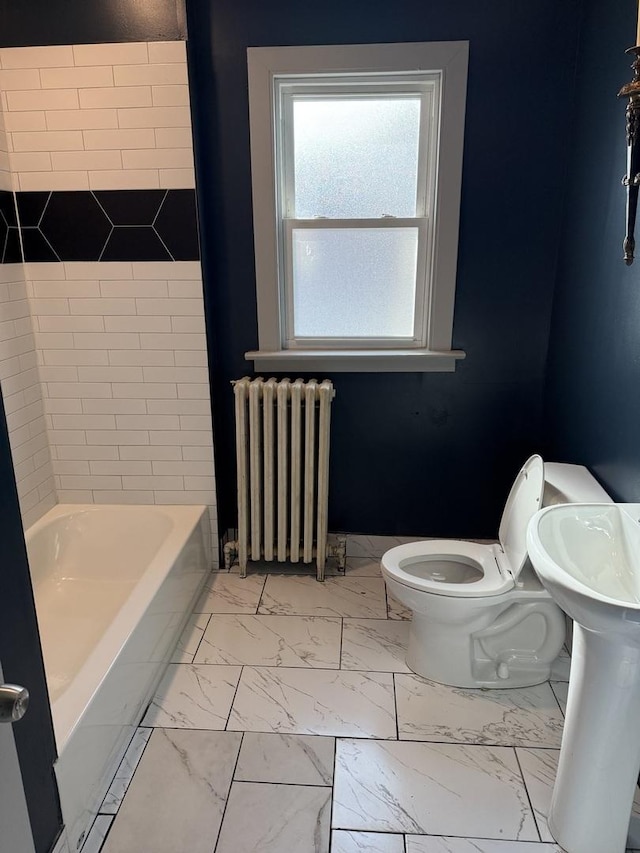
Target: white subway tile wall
120 406
102 116
5 169
22 395
114 352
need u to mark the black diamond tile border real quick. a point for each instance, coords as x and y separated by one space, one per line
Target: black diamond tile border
105 225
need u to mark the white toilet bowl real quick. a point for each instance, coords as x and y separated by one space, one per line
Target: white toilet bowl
481 617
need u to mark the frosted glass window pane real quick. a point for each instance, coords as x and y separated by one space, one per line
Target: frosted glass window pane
352 282
356 158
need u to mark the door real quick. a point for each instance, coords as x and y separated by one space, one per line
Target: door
22 664
15 828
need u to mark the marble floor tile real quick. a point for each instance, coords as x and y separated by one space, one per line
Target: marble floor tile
561 691
473 791
438 844
314 701
177 798
363 567
561 666
302 596
190 638
539 767
193 697
374 547
345 841
97 834
125 771
229 593
288 759
275 819
312 641
396 610
375 645
527 716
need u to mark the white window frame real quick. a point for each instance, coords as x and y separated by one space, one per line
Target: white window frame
430 347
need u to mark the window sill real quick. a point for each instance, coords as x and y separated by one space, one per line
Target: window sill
356 361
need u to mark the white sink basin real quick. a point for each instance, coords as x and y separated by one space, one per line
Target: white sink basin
588 557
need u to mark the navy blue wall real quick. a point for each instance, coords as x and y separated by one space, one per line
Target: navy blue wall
593 401
405 447
22 662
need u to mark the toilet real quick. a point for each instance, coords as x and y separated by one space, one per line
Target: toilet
481 617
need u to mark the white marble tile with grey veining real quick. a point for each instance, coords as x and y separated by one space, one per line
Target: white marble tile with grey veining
396 610
229 593
561 667
438 844
125 771
97 834
190 638
363 567
193 696
275 819
375 645
527 716
314 701
302 596
435 788
539 768
346 841
561 691
312 641
177 798
288 759
374 547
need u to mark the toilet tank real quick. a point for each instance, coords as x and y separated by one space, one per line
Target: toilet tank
564 483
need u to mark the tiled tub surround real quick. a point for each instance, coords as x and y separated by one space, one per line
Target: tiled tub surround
97 116
302 730
108 225
99 152
6 182
137 572
22 394
124 375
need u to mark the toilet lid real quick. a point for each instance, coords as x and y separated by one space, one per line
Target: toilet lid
525 499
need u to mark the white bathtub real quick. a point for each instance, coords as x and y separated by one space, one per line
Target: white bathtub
113 588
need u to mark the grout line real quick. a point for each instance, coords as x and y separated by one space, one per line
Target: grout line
341 642
395 704
524 784
204 630
231 781
235 693
264 583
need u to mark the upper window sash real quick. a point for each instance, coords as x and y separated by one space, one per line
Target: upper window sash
287 89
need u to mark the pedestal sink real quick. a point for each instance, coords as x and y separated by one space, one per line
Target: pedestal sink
588 557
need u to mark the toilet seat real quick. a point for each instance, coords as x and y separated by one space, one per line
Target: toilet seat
410 565
469 569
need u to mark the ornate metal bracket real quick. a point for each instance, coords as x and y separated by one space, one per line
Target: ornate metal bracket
632 179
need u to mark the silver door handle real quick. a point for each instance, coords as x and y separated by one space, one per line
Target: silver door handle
14 701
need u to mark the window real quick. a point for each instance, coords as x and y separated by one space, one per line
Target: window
356 156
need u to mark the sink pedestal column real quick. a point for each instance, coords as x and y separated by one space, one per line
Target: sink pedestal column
600 755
